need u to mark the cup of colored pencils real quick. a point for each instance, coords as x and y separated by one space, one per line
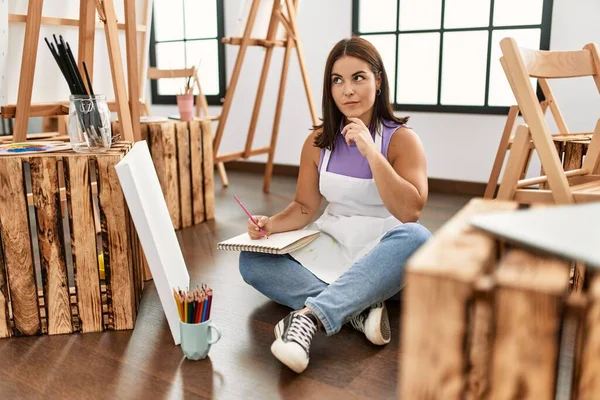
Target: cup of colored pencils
198 333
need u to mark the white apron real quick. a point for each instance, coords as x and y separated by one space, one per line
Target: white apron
352 224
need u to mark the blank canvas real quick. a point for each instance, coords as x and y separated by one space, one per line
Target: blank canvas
571 232
152 221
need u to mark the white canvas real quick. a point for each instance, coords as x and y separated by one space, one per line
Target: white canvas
150 215
569 231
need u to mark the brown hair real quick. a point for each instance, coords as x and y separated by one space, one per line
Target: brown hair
332 116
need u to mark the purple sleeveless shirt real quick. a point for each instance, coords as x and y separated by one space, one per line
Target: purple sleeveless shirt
347 160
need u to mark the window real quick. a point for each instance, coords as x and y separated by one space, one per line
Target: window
187 33
443 55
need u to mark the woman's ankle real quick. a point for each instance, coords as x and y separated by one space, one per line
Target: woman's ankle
307 310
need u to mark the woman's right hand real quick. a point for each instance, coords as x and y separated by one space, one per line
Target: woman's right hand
264 222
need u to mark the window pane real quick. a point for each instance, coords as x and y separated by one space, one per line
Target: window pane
500 92
200 19
168 20
464 63
455 15
205 53
420 14
377 15
418 63
386 45
518 12
170 56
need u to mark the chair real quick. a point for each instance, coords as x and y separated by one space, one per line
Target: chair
201 106
575 140
565 187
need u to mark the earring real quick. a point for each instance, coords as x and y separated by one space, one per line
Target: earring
378 91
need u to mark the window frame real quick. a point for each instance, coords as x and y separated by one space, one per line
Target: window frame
213 100
545 29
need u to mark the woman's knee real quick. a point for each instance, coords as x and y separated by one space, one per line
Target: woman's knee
412 232
248 266
258 267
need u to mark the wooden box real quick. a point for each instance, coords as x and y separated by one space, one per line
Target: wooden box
482 320
57 274
570 152
183 159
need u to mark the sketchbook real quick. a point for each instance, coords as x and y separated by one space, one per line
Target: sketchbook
277 243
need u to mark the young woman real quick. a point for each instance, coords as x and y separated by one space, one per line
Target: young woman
372 170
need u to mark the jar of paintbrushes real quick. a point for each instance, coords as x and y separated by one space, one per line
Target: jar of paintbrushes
89 117
89 123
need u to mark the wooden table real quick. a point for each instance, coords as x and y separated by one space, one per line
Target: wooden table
56 274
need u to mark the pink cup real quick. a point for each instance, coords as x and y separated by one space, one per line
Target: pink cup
185 103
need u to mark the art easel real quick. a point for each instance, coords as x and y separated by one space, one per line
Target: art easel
127 109
288 19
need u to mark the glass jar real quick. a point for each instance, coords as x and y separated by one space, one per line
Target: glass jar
89 123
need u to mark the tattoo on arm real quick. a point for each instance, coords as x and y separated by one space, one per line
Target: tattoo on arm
303 210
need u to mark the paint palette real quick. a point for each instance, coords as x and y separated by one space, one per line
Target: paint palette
32 147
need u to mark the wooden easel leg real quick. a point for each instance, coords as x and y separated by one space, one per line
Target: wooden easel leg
145 42
220 165
298 44
490 189
132 67
272 30
30 47
258 101
276 120
87 34
235 75
116 66
223 174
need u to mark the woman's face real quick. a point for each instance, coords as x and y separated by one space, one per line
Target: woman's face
354 87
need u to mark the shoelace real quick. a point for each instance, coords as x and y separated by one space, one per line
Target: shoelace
301 330
358 322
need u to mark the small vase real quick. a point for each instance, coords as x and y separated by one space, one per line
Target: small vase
185 103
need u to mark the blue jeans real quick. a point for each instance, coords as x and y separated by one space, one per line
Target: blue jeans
372 279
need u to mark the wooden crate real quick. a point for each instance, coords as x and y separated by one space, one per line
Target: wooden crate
51 280
482 320
570 152
183 158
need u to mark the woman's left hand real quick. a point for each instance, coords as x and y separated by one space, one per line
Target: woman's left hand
357 132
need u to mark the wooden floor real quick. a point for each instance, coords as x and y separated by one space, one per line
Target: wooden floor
145 364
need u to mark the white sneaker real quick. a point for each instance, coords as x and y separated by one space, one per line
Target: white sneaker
374 323
293 336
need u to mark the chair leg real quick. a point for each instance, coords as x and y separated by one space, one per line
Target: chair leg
518 158
490 189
